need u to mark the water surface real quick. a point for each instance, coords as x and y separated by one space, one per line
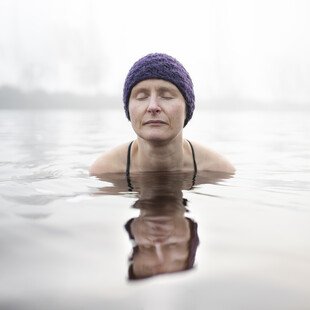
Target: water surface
221 242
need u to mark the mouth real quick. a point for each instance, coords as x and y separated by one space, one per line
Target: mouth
155 122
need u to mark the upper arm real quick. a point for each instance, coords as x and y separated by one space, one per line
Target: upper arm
208 159
113 161
100 165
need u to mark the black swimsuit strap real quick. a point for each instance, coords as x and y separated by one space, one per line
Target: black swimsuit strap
130 187
195 165
128 159
194 159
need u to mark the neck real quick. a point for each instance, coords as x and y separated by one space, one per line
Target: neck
156 156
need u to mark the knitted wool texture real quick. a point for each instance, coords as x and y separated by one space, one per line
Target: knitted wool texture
165 67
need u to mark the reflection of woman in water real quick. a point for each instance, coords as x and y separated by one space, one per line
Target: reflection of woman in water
165 241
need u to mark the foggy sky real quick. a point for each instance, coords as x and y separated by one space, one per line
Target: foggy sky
242 49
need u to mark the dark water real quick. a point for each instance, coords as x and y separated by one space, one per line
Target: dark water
162 241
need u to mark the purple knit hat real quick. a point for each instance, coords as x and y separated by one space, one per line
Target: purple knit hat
165 67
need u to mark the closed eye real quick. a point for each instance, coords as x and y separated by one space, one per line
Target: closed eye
166 94
141 96
167 97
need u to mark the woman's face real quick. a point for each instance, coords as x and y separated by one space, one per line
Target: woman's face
163 244
157 110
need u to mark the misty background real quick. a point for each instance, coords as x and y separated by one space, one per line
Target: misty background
240 54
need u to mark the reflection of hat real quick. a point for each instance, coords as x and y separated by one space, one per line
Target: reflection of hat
193 244
165 67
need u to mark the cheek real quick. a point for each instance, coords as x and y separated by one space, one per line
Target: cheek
184 112
180 108
132 111
135 115
179 113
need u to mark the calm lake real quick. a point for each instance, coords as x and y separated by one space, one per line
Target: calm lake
156 241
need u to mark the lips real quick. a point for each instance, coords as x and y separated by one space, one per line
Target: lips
154 122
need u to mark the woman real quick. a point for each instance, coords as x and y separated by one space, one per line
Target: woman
159 101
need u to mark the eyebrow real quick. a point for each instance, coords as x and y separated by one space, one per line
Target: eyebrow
161 89
139 90
167 89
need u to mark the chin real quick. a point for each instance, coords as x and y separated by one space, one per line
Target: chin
155 137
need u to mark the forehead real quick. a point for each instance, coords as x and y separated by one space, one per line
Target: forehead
155 84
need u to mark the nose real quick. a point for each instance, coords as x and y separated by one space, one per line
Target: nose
159 252
153 106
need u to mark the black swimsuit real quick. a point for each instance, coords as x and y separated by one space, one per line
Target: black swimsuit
128 160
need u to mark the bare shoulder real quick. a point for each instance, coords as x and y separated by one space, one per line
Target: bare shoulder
208 159
112 161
